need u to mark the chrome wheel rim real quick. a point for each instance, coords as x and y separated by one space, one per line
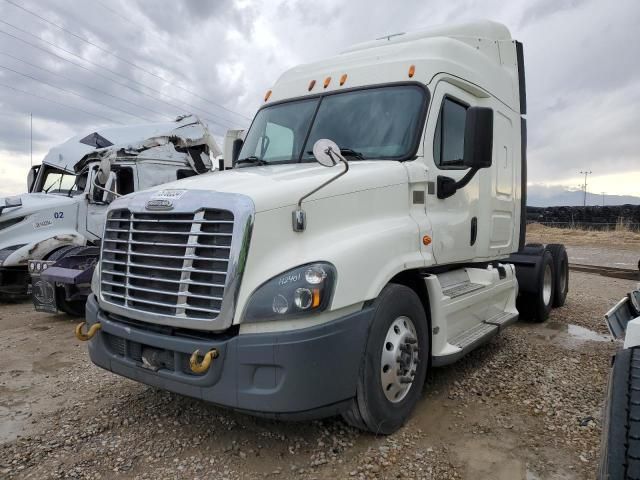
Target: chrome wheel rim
399 359
547 284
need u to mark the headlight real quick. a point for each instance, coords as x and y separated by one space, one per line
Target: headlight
298 292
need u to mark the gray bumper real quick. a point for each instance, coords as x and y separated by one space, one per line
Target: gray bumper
305 373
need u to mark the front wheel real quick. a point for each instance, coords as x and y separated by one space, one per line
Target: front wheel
394 366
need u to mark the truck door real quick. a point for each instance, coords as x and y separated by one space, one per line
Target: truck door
457 221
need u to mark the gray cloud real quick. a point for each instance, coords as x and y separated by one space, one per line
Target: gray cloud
581 61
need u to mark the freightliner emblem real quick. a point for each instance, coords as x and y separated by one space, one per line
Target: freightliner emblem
159 204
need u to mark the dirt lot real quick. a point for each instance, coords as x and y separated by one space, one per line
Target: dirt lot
526 406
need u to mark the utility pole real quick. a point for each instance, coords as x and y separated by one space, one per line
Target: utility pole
603 193
585 173
31 137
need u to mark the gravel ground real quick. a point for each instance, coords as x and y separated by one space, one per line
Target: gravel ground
525 406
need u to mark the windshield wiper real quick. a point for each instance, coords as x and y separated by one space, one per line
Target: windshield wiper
345 151
253 160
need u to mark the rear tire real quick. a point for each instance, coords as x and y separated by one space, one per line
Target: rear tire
620 447
397 345
561 266
536 306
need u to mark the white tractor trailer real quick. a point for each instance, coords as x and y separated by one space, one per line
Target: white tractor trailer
372 227
49 237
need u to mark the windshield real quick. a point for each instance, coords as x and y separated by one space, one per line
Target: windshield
53 180
372 123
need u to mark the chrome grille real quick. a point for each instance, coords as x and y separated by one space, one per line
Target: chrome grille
172 264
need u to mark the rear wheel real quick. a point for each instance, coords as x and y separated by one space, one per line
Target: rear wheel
561 267
394 366
536 306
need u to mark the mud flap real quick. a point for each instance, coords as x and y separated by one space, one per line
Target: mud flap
43 291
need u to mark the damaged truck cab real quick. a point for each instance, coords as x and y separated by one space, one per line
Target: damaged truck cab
62 216
372 227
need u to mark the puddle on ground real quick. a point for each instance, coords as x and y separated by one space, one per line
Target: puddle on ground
557 332
11 423
582 333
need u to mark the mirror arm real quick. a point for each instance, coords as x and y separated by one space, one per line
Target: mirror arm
95 177
299 215
447 186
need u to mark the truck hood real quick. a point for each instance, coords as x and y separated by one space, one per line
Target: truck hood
42 223
281 185
38 202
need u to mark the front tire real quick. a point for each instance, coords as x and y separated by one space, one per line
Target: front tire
395 362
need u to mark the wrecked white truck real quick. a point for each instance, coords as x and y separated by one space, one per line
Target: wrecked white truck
49 237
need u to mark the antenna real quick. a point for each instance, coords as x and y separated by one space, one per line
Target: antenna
31 137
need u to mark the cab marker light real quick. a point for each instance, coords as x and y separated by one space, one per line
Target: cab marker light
267 95
343 79
412 71
426 240
327 81
312 84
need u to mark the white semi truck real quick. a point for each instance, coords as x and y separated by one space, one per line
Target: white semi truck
289 289
53 232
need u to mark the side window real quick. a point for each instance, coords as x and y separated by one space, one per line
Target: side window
448 142
124 181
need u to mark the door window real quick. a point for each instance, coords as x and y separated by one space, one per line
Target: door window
448 142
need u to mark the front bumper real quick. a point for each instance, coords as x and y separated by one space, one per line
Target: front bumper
304 373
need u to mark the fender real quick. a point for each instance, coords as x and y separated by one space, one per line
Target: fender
43 245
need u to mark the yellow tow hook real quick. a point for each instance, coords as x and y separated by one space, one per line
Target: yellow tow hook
89 335
202 367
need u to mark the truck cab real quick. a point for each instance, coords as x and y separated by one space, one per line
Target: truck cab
68 195
372 227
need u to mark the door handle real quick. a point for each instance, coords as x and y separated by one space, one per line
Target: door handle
474 230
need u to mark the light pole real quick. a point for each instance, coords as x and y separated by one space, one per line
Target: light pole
585 173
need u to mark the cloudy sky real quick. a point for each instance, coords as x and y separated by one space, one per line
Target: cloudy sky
77 65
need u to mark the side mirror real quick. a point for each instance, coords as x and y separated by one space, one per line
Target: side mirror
31 177
108 194
478 138
478 150
235 152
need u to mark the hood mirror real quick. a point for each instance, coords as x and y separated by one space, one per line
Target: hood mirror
327 154
11 202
